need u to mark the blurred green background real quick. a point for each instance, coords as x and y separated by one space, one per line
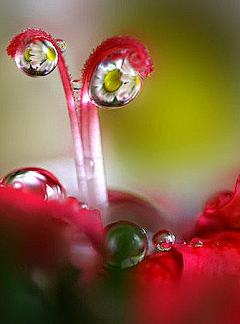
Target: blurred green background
178 141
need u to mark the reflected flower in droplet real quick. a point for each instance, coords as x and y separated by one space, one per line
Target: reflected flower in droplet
39 57
115 83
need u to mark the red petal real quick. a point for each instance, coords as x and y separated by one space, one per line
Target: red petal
222 213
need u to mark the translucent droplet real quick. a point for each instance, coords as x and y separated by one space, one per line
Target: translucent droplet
115 82
62 45
89 168
77 204
196 242
127 244
36 181
76 84
38 58
163 240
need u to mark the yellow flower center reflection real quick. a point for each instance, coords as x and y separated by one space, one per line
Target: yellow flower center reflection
112 81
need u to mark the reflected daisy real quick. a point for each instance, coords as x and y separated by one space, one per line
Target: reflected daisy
39 58
115 83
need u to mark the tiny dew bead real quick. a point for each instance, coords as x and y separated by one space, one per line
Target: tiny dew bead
163 240
127 244
35 181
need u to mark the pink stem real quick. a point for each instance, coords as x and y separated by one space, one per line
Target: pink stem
75 129
92 148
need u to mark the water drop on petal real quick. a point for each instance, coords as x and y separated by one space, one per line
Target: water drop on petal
115 82
35 181
38 58
163 240
196 242
127 244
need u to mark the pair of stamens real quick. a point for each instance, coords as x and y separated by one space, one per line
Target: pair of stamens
112 77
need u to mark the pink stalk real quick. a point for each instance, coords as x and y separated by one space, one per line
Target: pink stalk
16 47
89 120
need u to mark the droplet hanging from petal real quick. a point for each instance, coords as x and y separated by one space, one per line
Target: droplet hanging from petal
35 181
37 58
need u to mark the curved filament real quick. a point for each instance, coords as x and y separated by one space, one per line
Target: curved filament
114 52
15 49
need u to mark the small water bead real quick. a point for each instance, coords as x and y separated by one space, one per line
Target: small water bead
115 82
62 45
76 84
196 242
38 58
163 240
127 244
36 181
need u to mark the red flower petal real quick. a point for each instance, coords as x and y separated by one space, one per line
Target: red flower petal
221 213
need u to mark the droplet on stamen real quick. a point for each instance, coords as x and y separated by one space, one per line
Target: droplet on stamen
115 82
38 58
35 181
62 45
163 240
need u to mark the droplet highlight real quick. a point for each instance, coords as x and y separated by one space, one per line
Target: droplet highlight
38 58
163 240
35 181
115 82
127 244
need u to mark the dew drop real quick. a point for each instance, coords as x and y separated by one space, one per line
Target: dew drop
163 240
127 244
89 168
38 58
76 84
35 181
196 242
62 45
115 82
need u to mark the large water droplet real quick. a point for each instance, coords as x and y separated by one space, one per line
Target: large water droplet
196 242
38 58
127 244
115 82
36 181
163 240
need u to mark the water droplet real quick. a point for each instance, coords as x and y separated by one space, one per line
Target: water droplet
89 168
36 181
62 45
196 242
76 84
163 240
115 82
38 58
127 244
77 204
